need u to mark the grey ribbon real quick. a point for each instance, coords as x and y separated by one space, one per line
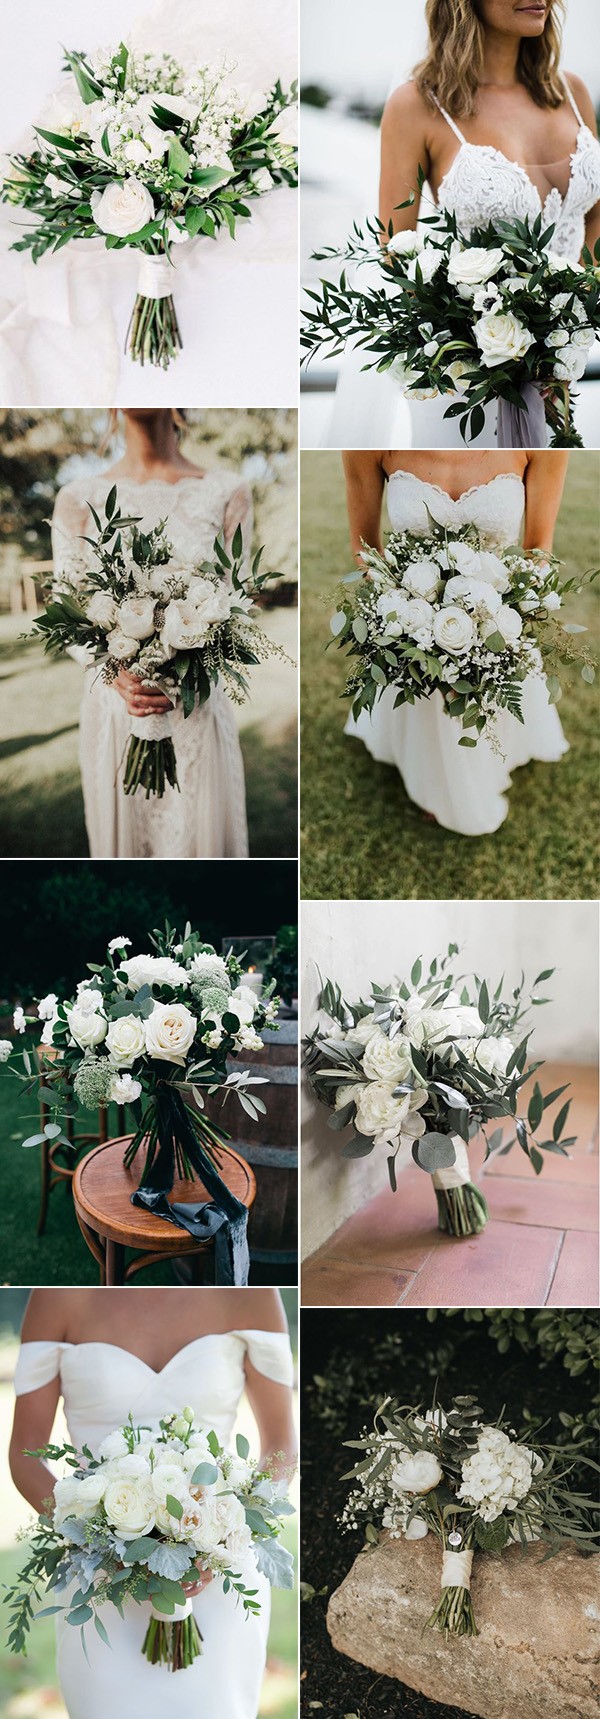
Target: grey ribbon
523 426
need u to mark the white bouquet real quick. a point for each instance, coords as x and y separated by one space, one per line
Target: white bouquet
148 153
450 611
138 1519
425 1066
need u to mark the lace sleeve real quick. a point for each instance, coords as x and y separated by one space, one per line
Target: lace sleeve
239 510
70 556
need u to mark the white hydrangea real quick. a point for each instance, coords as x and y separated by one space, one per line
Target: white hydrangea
498 1475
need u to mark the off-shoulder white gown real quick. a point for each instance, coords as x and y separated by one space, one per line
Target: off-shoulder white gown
206 819
463 788
101 1384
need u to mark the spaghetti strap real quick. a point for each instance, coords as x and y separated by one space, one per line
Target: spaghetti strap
450 121
571 98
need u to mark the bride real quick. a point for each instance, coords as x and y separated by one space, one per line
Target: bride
504 495
198 1346
501 134
207 818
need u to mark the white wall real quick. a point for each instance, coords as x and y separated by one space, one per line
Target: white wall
354 942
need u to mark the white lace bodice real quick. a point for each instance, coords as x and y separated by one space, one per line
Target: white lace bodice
496 508
483 185
102 1384
196 509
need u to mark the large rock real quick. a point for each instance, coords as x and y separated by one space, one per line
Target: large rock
537 1651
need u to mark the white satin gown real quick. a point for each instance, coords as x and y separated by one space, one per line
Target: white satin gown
206 818
482 186
463 788
100 1385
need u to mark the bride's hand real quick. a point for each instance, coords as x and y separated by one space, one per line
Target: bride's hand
204 1577
140 700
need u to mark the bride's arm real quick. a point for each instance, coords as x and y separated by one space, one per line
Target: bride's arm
35 1410
404 149
586 109
271 1403
544 483
365 484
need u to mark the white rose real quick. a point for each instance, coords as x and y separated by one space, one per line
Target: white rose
464 558
170 1030
5 1049
153 970
418 1473
453 630
473 265
136 617
405 244
102 611
552 600
501 338
129 1506
559 265
244 1004
422 578
572 364
125 1040
387 1059
429 262
125 1089
493 571
120 647
506 621
47 1007
86 1029
123 208
557 337
473 593
457 372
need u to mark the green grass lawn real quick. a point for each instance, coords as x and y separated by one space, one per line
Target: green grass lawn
361 835
41 803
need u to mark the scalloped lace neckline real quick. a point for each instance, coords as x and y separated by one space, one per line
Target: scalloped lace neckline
517 166
501 477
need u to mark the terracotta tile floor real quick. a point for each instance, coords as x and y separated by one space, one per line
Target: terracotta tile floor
540 1247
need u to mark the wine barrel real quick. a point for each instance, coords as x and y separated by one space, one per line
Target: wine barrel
269 1145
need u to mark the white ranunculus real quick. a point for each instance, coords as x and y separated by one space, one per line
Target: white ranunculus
125 1089
47 1007
501 338
136 617
129 1506
492 570
422 579
120 647
418 1473
364 1029
379 1113
391 608
115 1444
70 1500
472 594
5 1049
387 1059
170 1031
126 1039
406 244
473 265
418 616
123 208
505 621
86 1029
493 1054
102 610
453 630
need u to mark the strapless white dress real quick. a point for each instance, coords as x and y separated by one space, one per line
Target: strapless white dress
100 1384
463 788
206 818
482 185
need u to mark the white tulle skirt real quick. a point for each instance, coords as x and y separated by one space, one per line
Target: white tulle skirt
463 788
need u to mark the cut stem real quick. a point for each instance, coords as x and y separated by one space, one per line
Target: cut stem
176 1645
153 336
462 1211
454 1613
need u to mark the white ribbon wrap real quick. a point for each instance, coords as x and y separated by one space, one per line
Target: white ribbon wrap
456 1569
459 1172
177 1616
152 727
156 277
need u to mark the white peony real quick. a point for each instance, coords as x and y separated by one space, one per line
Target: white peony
473 265
380 1114
423 579
387 1059
418 1473
86 1029
501 338
102 611
125 1089
170 1031
123 208
364 1029
136 617
129 1506
184 625
120 647
126 1039
453 630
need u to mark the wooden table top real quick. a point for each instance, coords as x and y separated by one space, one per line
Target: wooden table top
102 1189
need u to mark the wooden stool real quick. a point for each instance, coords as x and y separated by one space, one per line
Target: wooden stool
102 1189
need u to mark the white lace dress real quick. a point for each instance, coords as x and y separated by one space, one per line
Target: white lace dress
464 789
206 818
101 1384
482 185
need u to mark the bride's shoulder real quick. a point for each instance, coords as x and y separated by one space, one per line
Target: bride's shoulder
583 99
46 1316
407 107
255 1309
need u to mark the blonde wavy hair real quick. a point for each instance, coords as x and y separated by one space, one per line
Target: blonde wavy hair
453 68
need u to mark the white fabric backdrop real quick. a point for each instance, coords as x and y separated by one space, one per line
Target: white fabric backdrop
63 322
357 941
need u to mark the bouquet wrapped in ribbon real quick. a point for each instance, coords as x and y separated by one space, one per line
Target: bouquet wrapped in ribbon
155 1032
451 611
179 628
138 1519
475 1485
498 316
422 1067
148 154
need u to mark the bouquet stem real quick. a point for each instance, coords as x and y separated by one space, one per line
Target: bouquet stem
461 1211
454 1613
153 336
167 1125
150 764
176 1645
559 418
